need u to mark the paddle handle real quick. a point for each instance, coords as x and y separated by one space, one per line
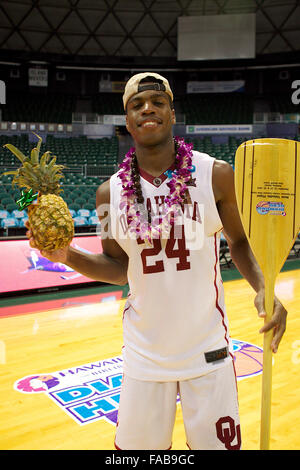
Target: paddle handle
265 425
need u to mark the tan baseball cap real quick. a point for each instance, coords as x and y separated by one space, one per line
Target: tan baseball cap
134 86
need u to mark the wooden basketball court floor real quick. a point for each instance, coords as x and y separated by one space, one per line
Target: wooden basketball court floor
43 342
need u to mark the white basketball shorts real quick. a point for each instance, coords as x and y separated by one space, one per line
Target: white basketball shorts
209 407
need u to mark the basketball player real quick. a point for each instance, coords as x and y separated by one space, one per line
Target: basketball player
176 336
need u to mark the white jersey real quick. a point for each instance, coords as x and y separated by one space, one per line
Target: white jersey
174 323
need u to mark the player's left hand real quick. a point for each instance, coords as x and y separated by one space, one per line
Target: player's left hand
277 322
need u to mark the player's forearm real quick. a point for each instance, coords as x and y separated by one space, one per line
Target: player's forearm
245 262
97 266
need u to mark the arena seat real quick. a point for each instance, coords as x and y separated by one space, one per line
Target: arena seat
7 200
22 221
89 207
91 202
79 221
81 201
17 214
11 206
4 214
93 220
9 222
74 207
84 213
73 212
68 201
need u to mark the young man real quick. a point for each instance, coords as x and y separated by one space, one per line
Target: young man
176 337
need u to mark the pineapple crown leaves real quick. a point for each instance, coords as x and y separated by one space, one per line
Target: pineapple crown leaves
37 173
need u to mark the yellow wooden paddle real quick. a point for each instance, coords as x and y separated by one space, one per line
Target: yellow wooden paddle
267 184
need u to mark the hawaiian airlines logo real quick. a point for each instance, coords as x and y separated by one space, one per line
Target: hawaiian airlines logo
37 383
91 392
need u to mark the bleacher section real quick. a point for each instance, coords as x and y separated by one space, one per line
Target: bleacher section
107 103
79 193
69 151
39 108
197 108
80 150
82 157
212 108
225 151
281 103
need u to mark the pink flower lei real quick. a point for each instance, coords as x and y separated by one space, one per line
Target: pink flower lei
137 216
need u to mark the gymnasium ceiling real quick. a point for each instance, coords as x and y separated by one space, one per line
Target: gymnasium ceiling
134 28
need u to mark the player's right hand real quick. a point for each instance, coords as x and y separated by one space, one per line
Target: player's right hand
56 256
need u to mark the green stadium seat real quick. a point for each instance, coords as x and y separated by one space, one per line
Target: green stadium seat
11 207
89 206
68 201
81 201
7 200
92 201
74 206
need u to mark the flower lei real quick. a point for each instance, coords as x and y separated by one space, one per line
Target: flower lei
137 215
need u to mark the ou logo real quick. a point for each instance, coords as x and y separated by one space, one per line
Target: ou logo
229 433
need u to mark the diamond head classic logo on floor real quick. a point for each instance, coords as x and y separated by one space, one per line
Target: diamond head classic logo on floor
91 391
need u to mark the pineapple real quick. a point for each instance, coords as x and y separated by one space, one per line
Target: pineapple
50 220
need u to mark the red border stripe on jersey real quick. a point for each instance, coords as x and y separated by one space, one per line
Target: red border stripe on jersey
217 292
125 310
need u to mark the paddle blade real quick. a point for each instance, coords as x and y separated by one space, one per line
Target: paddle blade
267 184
